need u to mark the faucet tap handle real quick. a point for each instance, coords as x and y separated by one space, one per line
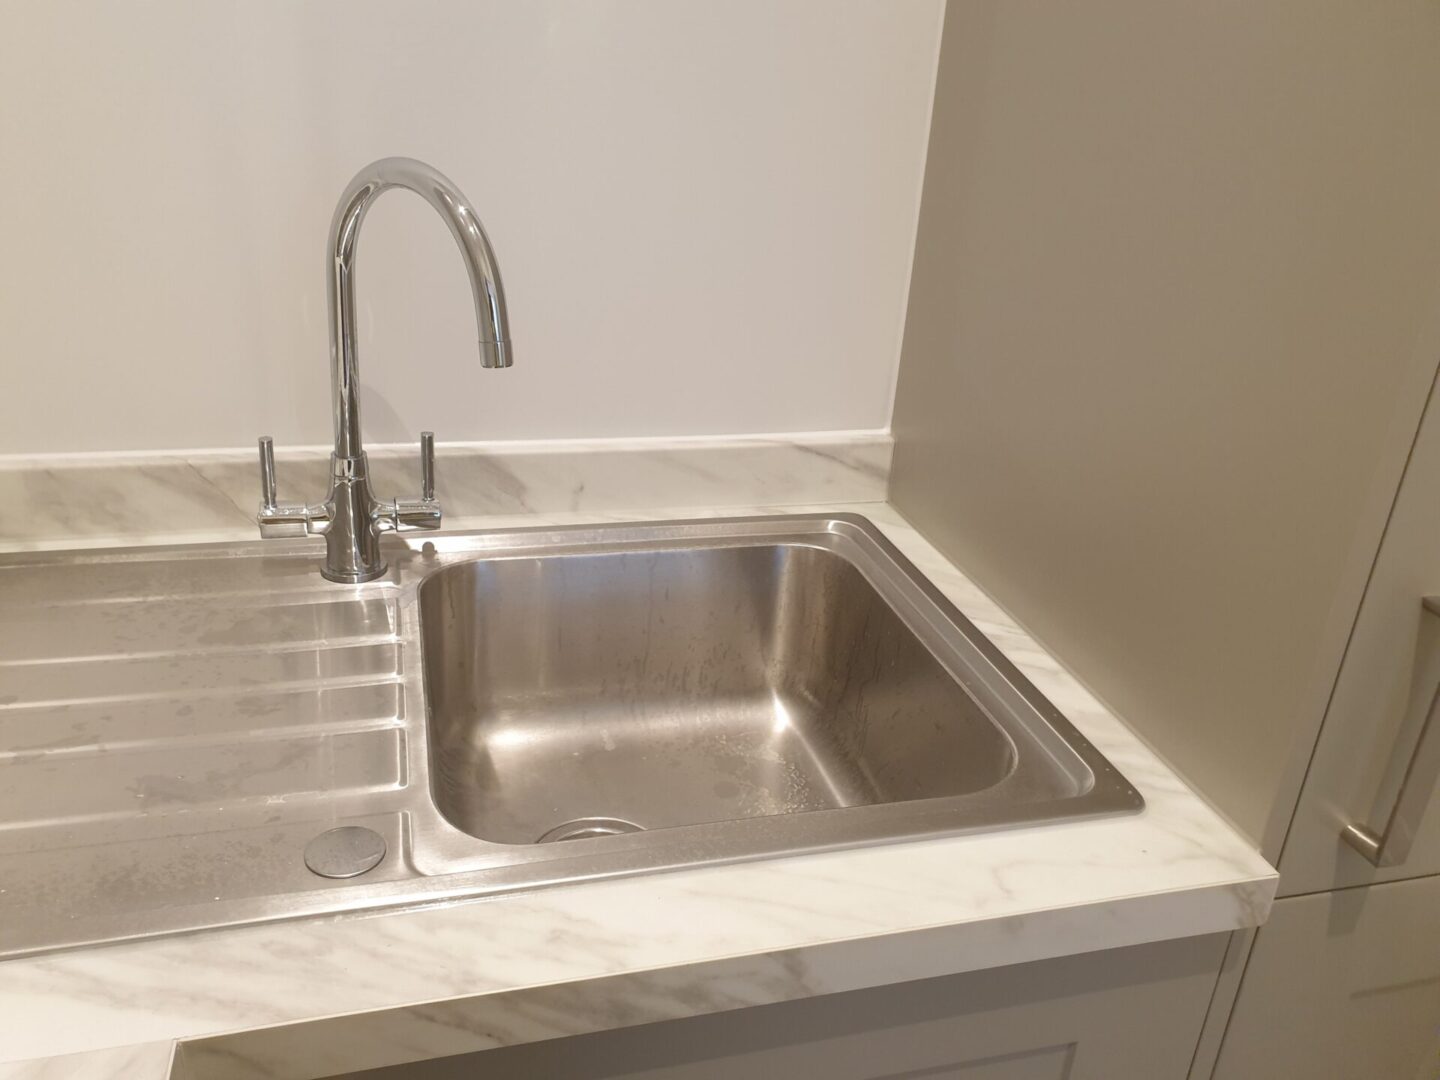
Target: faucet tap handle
405 514
427 466
422 513
267 472
278 521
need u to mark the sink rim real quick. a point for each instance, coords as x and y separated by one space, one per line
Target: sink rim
430 861
924 609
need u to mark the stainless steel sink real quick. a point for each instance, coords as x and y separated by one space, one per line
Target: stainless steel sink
501 711
691 684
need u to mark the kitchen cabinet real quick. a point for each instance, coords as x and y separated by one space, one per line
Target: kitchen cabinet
1343 982
1342 985
1113 1015
1386 690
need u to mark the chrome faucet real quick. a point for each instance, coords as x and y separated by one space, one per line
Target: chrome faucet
351 519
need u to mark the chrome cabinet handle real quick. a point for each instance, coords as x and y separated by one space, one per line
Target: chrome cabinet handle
1390 848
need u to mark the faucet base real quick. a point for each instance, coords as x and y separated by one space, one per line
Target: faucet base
357 577
352 537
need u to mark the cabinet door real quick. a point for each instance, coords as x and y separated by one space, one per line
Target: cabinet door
1385 693
1123 1014
1341 986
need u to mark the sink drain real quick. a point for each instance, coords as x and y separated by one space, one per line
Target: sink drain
587 827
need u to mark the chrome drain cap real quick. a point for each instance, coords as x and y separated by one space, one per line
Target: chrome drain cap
346 852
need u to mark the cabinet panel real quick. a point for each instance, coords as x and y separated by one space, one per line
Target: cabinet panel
1124 1014
1385 690
1342 986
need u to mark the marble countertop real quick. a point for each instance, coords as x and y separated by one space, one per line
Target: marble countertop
319 996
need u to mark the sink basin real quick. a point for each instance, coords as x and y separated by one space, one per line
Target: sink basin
673 687
733 672
204 735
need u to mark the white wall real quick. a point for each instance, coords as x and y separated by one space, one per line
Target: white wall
704 213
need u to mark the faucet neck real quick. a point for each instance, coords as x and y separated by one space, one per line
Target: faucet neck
485 285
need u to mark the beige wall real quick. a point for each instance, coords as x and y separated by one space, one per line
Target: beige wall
704 213
1173 313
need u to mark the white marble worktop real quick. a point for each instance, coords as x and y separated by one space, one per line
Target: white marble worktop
324 995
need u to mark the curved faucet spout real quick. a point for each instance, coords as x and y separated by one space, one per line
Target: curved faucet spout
351 518
464 225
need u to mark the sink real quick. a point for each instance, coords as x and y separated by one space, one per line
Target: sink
736 671
673 687
211 735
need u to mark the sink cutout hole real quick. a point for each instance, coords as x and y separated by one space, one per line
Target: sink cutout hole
586 828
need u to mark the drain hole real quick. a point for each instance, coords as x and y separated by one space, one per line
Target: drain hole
587 827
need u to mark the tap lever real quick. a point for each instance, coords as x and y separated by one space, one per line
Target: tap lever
279 522
427 466
267 472
421 513
407 514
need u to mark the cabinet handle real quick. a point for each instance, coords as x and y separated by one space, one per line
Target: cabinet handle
1392 846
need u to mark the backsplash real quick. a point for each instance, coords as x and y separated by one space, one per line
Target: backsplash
60 500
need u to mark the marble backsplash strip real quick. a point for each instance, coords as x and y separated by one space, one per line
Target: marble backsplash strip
49 500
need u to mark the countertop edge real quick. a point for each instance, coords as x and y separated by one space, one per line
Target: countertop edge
310 1049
